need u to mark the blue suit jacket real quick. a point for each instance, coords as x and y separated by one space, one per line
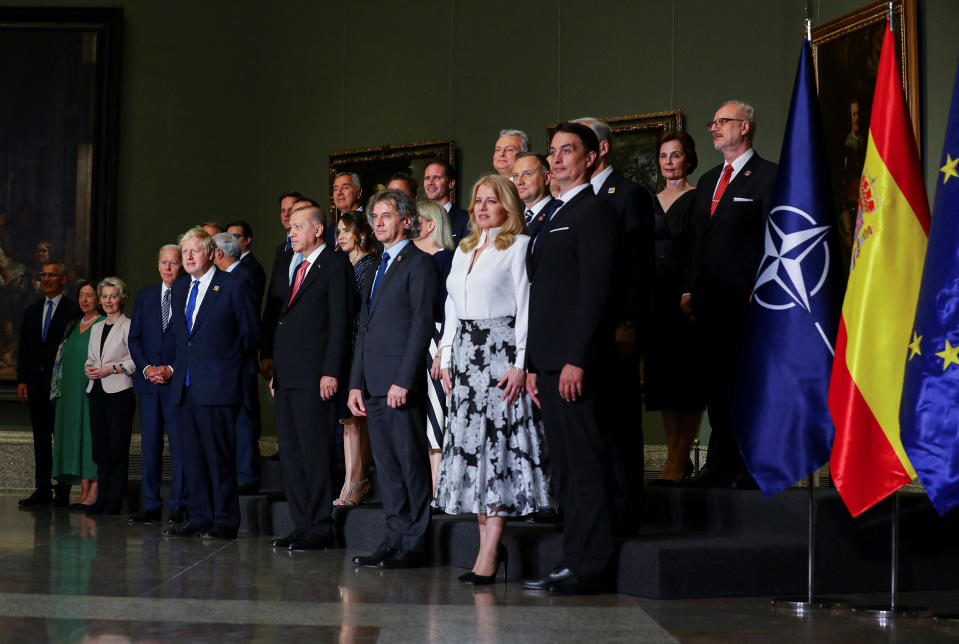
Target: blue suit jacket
149 345
225 332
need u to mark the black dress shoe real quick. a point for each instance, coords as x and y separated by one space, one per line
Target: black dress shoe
549 515
374 559
404 559
246 489
554 576
177 515
188 530
575 586
467 577
284 542
312 542
218 533
35 499
146 516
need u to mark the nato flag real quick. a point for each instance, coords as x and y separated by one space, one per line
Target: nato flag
781 415
929 412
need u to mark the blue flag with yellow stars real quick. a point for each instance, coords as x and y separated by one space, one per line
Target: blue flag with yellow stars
929 414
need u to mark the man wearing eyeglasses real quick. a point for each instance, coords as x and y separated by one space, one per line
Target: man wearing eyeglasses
732 201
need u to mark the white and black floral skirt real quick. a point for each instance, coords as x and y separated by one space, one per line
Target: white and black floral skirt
494 454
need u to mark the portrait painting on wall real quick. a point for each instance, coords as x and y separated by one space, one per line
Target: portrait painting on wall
846 52
635 139
58 116
376 165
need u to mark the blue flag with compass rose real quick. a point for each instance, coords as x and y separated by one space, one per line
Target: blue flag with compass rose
781 413
929 411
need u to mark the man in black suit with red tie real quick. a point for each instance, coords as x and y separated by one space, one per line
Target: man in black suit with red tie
386 379
572 316
41 331
622 413
438 181
217 328
311 351
729 217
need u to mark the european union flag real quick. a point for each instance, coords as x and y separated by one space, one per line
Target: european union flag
782 417
929 412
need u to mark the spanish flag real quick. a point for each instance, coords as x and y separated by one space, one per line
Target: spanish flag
868 462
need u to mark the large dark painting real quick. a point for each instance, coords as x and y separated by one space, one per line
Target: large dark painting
58 132
846 52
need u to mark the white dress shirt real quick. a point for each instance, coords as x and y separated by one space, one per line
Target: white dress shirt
201 291
539 205
737 164
496 287
311 258
43 312
598 180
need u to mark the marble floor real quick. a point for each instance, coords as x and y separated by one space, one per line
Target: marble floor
68 578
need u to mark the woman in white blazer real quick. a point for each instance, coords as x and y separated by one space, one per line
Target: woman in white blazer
110 368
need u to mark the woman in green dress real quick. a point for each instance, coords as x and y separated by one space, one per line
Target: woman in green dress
72 452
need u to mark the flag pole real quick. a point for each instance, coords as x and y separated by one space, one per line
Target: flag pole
798 606
893 609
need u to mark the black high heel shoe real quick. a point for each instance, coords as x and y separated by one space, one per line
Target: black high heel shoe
502 556
467 577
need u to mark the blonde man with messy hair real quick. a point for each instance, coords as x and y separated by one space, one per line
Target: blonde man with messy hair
507 195
203 237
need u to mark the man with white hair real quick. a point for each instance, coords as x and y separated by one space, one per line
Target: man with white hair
508 145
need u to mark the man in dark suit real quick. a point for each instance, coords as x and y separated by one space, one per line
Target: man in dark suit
386 379
310 358
41 331
226 257
622 413
572 316
279 283
216 327
438 182
531 178
732 202
153 346
243 232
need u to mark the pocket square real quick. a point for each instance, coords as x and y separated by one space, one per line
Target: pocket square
742 199
556 230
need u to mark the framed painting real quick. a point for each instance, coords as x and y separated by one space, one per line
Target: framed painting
375 165
59 123
634 151
846 54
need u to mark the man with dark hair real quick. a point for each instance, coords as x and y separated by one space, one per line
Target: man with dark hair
243 232
621 414
311 349
41 331
403 181
531 178
728 219
279 282
438 182
386 379
572 311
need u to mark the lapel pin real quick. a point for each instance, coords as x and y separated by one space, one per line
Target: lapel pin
611 190
747 173
400 258
216 288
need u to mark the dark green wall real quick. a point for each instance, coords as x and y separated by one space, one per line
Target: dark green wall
226 104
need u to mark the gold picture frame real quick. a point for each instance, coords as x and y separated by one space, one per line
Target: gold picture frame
375 165
635 138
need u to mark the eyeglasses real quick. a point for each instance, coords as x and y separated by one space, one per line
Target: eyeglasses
237 235
721 122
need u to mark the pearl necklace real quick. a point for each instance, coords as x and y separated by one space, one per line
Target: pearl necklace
86 321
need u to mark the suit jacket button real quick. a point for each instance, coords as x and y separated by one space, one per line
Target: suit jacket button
189 344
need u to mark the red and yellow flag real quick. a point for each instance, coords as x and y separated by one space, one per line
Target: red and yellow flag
868 462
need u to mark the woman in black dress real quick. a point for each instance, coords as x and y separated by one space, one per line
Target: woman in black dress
673 382
354 236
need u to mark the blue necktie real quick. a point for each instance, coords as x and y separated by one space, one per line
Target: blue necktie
190 305
297 260
289 244
379 275
46 320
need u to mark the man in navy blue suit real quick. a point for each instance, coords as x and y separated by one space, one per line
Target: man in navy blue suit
216 326
153 347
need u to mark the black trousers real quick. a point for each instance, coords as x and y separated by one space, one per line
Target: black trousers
577 456
208 443
398 440
307 445
111 424
41 419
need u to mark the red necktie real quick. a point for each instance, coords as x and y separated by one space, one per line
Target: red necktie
721 188
300 273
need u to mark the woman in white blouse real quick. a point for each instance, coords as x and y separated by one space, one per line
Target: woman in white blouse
494 457
109 367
